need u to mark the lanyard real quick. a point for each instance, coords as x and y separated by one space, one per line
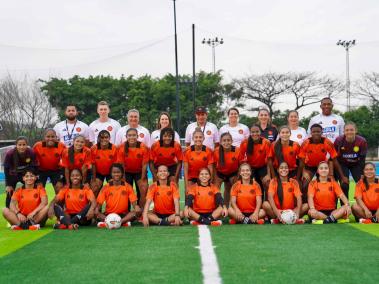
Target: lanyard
72 131
205 125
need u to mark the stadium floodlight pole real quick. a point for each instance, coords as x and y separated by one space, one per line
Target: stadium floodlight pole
347 45
176 75
213 43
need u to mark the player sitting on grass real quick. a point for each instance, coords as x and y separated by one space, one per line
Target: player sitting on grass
284 193
322 195
246 199
366 210
204 203
74 205
28 206
165 195
117 194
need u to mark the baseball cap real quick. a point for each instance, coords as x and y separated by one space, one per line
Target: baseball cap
201 109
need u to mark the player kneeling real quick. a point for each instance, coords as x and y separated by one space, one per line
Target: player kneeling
246 199
165 195
284 194
204 203
28 207
366 210
74 204
322 195
117 194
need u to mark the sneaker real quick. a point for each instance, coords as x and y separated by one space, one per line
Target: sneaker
365 221
127 224
101 225
16 228
317 222
194 223
216 223
275 221
300 221
232 222
343 221
35 227
59 226
260 222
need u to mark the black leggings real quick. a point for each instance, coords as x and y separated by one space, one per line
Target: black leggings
12 181
79 218
356 171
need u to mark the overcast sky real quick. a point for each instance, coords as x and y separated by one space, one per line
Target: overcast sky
45 38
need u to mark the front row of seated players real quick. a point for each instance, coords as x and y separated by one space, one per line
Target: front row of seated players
76 205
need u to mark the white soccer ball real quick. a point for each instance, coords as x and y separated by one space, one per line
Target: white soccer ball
289 217
113 221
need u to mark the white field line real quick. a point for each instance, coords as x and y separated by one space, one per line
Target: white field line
209 265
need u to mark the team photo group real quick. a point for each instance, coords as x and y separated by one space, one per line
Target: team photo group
109 176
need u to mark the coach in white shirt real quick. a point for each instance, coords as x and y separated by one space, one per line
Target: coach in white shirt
211 137
71 127
133 122
238 130
104 122
332 124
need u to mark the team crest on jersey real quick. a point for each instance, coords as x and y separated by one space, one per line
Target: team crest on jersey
270 132
68 196
291 153
323 150
56 155
330 188
240 131
141 135
139 156
110 157
210 193
173 154
109 128
97 157
78 129
356 149
334 122
35 195
81 160
252 191
376 190
209 132
169 193
299 136
27 160
204 158
290 189
239 191
123 192
81 196
260 151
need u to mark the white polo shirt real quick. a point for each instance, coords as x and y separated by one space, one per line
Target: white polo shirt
239 133
111 125
156 134
66 132
332 125
298 135
210 134
143 135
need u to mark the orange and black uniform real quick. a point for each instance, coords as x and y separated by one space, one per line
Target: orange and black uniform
166 155
314 153
117 198
48 159
197 160
291 191
246 196
103 159
231 162
369 196
163 197
82 158
204 199
289 152
28 199
325 195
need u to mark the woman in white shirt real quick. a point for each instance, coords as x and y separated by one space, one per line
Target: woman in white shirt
238 130
298 134
164 120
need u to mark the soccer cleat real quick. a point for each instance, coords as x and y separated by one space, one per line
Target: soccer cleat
16 228
275 221
365 221
260 222
343 221
59 226
101 225
232 222
300 221
317 222
127 224
216 223
195 223
35 227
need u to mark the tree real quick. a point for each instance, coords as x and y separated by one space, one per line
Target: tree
368 87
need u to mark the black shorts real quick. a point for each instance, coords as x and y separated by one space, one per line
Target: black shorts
83 221
54 176
373 212
103 177
205 215
247 214
194 180
224 177
259 173
132 177
312 170
327 212
162 216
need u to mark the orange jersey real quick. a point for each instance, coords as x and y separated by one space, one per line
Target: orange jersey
103 158
163 197
204 198
291 191
313 153
197 160
116 197
168 156
75 199
231 160
81 159
134 159
48 158
324 194
290 153
28 199
370 196
246 196
260 153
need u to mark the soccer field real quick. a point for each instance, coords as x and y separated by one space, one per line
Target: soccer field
340 253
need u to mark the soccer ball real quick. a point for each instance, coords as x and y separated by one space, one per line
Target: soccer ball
288 216
113 221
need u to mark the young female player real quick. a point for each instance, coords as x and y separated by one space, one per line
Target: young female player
74 204
103 155
226 158
366 210
284 193
246 200
48 154
78 157
268 130
322 195
134 156
28 206
204 203
15 162
166 152
284 150
165 195
196 157
117 194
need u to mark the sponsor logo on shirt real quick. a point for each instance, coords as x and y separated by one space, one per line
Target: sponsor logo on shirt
329 129
356 149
